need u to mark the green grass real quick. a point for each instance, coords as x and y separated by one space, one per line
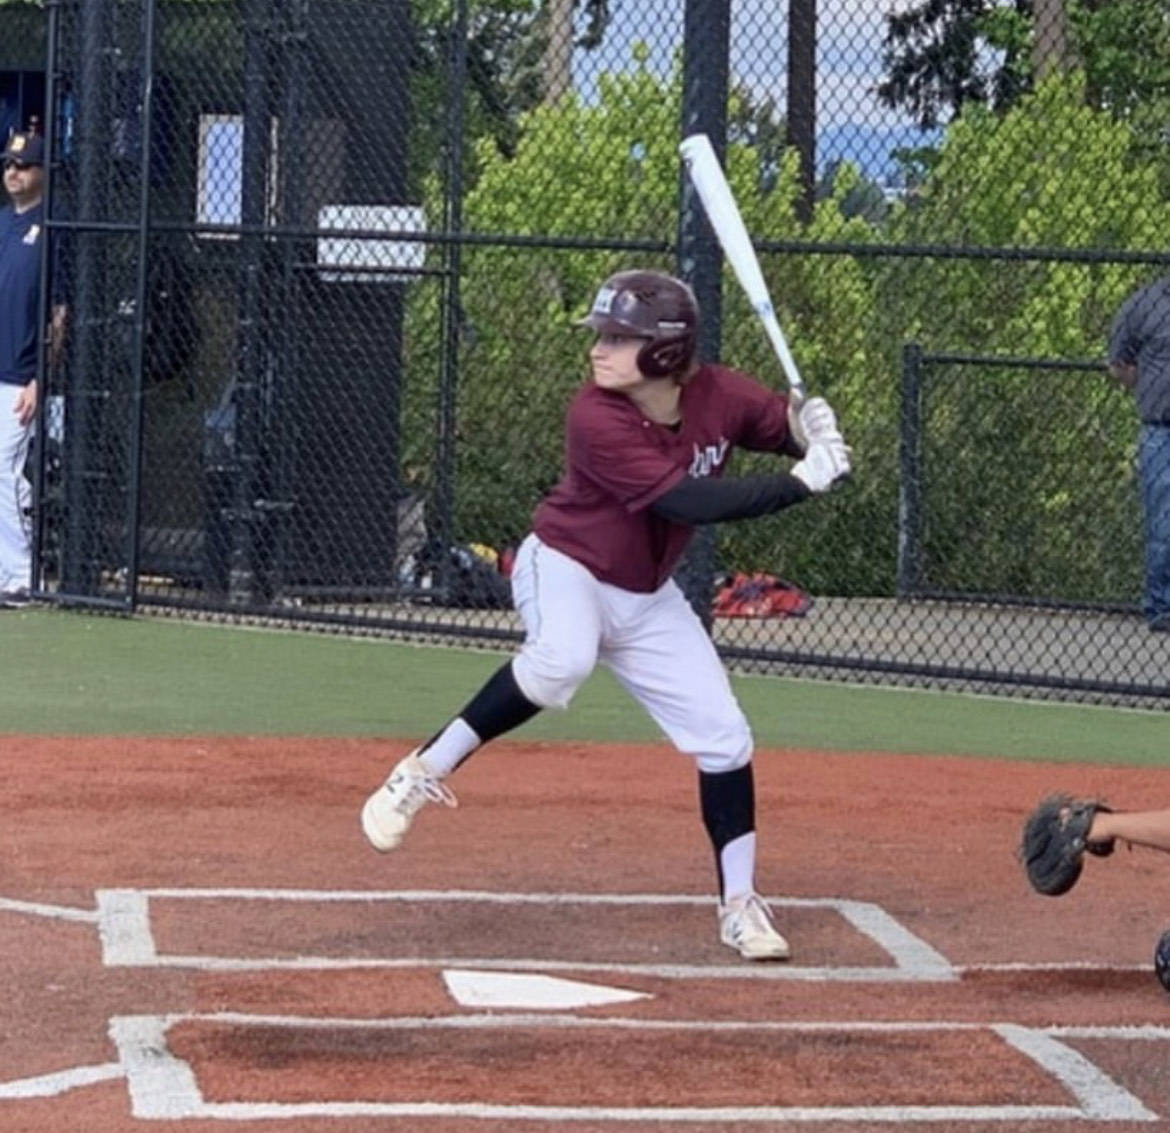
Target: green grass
74 673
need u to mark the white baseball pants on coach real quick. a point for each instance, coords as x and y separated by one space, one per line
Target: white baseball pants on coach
655 645
15 494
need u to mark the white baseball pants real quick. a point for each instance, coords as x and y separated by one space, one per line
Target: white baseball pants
15 495
655 645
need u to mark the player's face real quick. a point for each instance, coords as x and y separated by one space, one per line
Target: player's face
615 361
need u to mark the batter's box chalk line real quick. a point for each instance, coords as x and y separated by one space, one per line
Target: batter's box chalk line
128 941
164 1087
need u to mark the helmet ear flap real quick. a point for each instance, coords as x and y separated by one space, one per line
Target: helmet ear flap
666 356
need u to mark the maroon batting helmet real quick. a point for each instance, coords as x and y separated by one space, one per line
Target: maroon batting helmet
654 306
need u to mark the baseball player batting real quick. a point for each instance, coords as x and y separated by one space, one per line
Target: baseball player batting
646 442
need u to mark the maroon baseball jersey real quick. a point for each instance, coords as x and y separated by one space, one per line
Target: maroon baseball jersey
617 463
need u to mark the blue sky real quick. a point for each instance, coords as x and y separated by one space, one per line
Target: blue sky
850 121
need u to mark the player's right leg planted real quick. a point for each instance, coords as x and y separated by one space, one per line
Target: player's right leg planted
745 924
390 810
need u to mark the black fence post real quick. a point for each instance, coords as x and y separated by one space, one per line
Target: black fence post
707 33
257 110
85 476
910 472
141 299
801 119
45 365
441 529
291 205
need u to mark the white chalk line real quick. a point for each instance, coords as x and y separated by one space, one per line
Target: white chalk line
60 1081
1099 1096
164 1087
123 921
52 912
127 940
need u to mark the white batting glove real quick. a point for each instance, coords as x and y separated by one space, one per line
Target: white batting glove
808 420
826 462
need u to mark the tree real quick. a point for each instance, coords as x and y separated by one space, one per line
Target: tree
1051 172
518 54
557 33
942 55
757 123
1125 51
865 199
1051 47
932 59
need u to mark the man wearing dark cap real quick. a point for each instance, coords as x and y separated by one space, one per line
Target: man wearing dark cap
22 232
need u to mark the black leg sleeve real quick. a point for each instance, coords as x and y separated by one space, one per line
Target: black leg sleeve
499 706
728 803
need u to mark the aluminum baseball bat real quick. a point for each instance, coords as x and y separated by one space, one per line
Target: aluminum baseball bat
724 215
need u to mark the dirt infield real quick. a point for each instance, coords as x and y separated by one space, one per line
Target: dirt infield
193 932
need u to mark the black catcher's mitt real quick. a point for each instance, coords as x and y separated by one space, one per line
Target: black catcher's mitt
1053 846
1162 960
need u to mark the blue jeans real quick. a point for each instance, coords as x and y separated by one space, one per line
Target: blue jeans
1154 473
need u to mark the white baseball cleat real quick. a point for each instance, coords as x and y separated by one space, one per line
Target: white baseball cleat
389 811
745 924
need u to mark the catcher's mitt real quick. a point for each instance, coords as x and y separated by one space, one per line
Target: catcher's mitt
1162 960
1053 846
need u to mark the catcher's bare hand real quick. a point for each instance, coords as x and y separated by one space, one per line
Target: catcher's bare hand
1055 840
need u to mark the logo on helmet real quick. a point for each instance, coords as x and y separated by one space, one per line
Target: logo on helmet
603 304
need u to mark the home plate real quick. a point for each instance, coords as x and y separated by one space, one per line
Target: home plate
515 989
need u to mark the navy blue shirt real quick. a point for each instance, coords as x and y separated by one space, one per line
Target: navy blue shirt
1140 336
20 274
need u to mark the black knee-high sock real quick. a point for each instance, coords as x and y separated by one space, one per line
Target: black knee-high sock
498 707
728 803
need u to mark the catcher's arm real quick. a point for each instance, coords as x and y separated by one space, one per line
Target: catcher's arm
1147 828
1055 840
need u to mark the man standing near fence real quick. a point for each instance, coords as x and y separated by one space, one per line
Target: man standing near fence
1139 359
22 232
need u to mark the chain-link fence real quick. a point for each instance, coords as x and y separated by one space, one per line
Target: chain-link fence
325 258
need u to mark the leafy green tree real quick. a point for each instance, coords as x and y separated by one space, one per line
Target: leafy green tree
942 55
1125 48
1053 172
506 46
933 59
826 306
866 199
